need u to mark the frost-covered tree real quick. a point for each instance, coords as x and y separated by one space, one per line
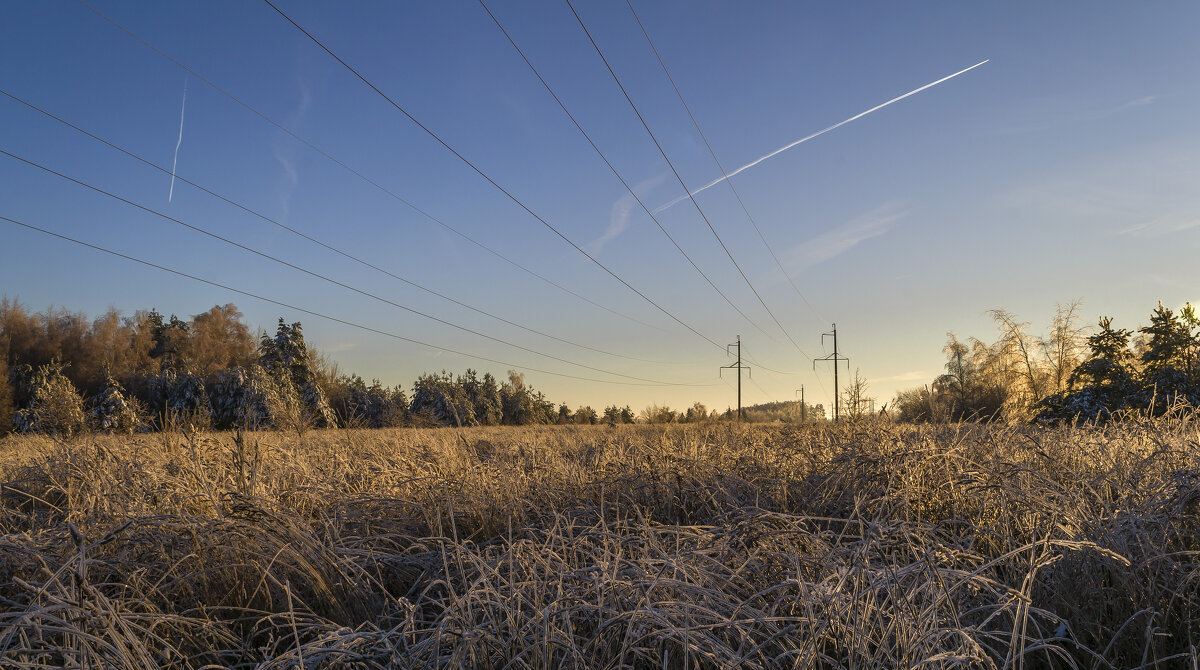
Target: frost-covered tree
1062 346
438 399
1169 343
612 415
516 401
286 357
217 340
484 396
176 397
254 399
170 340
697 412
227 395
855 401
115 412
1101 385
55 406
374 406
974 386
654 413
1167 374
1110 363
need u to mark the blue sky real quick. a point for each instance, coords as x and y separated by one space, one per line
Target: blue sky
1064 168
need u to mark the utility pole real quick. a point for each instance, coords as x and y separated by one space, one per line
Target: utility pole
834 357
803 409
739 367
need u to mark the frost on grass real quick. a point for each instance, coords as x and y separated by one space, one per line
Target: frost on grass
683 546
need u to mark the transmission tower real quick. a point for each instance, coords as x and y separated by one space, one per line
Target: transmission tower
833 358
739 367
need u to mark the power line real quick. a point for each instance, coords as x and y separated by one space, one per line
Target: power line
357 173
326 316
766 396
716 160
318 275
313 240
770 369
681 182
483 174
612 168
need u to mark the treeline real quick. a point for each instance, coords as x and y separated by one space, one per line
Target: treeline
471 400
1069 374
770 412
63 373
783 411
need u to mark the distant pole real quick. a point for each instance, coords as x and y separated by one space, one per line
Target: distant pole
834 358
739 367
803 409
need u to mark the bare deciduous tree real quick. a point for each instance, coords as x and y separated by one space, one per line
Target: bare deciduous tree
855 398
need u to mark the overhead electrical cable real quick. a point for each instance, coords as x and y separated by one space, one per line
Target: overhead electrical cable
318 275
766 396
486 177
604 158
749 358
680 179
359 174
314 240
321 315
713 153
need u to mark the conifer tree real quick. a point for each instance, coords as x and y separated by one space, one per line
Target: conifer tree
439 399
1166 363
286 357
1169 343
178 397
113 411
1110 363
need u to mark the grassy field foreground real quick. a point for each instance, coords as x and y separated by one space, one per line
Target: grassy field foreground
593 547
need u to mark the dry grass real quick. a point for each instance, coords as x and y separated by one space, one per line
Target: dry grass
629 547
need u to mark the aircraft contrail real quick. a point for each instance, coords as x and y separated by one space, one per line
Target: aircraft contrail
802 140
179 141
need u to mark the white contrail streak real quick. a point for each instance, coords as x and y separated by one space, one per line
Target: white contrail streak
802 140
174 161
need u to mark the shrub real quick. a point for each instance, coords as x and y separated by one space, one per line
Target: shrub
55 408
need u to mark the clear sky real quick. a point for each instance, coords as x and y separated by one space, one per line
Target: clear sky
1064 168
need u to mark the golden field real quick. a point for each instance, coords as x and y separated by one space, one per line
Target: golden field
685 546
